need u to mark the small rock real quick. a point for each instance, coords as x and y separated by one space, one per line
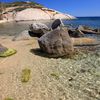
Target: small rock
70 79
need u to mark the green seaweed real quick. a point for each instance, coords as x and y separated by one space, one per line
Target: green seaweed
55 75
8 98
25 75
97 73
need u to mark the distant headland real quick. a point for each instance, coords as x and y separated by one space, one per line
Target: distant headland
26 11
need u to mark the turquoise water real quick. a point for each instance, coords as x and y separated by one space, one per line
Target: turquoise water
93 22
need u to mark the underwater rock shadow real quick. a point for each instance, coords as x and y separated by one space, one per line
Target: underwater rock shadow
39 52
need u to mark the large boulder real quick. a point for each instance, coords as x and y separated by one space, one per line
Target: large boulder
38 29
56 43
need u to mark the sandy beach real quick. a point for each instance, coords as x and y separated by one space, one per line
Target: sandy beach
51 78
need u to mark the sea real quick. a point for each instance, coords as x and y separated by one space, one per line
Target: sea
13 28
93 22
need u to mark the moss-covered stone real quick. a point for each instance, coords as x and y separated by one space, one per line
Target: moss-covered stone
55 75
8 52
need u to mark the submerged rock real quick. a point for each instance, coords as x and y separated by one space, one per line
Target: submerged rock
88 30
97 30
24 35
56 42
76 33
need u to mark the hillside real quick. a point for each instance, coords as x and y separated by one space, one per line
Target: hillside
18 6
16 11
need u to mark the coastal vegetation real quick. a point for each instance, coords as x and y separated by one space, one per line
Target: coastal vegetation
21 4
17 6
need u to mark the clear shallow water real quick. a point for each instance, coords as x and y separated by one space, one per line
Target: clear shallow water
15 28
93 22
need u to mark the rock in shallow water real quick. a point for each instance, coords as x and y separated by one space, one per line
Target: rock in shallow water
76 33
56 42
24 35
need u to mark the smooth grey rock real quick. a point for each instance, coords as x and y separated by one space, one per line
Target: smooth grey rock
38 29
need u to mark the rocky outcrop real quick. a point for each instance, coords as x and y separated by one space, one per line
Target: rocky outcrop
40 14
32 14
23 11
88 30
56 43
